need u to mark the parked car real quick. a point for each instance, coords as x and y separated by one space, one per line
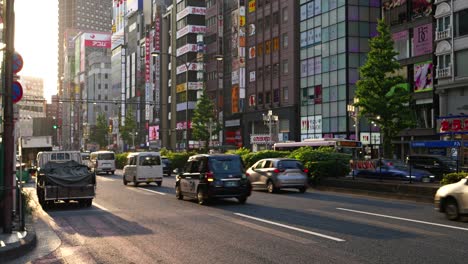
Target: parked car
208 176
389 169
167 168
274 174
452 199
143 167
438 165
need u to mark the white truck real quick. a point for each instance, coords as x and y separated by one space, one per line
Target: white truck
62 176
30 146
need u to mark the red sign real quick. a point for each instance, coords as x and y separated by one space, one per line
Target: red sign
147 59
157 34
97 40
450 125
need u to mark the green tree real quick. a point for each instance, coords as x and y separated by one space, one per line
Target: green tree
382 98
99 132
204 120
129 127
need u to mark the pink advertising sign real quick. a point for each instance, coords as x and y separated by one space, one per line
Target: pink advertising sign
422 40
97 40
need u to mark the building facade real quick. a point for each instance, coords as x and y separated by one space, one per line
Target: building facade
32 105
451 51
411 24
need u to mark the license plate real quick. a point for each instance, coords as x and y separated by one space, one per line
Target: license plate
230 184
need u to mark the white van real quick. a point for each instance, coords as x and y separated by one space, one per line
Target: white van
102 161
143 167
85 159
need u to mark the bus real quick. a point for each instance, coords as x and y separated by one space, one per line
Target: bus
339 144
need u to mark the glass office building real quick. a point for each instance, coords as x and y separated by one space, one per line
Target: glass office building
334 41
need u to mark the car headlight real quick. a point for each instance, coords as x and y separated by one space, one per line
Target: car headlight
412 176
431 176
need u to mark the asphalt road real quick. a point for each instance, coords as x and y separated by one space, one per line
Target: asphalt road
148 224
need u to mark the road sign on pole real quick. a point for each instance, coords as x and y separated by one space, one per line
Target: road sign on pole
17 92
17 62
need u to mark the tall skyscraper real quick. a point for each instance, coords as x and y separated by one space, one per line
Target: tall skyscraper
89 15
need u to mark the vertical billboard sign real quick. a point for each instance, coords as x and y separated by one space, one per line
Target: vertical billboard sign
242 44
157 63
235 19
422 40
423 76
147 59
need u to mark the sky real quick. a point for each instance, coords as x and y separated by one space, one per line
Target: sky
36 33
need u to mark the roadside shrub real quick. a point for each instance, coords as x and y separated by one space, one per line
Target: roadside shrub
328 168
252 157
178 159
453 177
120 160
240 151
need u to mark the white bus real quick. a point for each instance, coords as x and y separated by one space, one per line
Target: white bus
339 144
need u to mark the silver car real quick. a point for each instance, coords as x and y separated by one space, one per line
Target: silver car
273 174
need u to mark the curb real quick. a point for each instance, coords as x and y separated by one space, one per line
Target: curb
23 245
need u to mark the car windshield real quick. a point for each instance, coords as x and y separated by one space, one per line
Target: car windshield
290 164
106 156
149 160
448 161
85 156
226 165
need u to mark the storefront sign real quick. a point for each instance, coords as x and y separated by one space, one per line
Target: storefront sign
452 125
422 40
259 139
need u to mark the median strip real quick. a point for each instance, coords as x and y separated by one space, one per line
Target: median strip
291 227
402 219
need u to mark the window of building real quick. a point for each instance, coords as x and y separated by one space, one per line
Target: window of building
461 23
260 98
268 47
267 22
260 72
260 49
285 94
461 61
259 3
275 44
285 40
276 95
99 86
211 21
443 61
267 71
443 23
210 3
106 86
259 25
285 67
285 14
267 97
180 6
275 70
276 18
99 97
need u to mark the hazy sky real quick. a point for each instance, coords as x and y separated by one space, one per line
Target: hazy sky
36 32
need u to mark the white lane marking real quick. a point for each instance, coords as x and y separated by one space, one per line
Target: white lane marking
148 190
292 227
106 179
403 219
101 207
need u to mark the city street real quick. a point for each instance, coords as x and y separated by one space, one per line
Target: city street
148 224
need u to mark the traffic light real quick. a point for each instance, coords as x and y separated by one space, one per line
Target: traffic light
110 128
55 126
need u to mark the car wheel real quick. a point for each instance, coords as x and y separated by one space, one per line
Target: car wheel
451 209
271 187
242 199
159 184
201 197
135 182
124 180
302 189
178 193
112 172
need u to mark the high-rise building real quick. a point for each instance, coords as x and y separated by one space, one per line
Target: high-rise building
90 15
334 40
76 17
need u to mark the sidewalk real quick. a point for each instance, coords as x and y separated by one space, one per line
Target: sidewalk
18 242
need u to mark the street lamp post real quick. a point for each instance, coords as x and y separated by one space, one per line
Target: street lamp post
269 119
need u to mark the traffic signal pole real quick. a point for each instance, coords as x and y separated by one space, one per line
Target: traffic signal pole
8 131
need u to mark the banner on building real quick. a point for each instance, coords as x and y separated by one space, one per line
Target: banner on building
423 76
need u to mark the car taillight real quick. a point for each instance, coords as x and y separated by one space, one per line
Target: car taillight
209 176
247 174
306 170
278 170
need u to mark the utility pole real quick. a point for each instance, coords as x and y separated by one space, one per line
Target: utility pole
8 136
